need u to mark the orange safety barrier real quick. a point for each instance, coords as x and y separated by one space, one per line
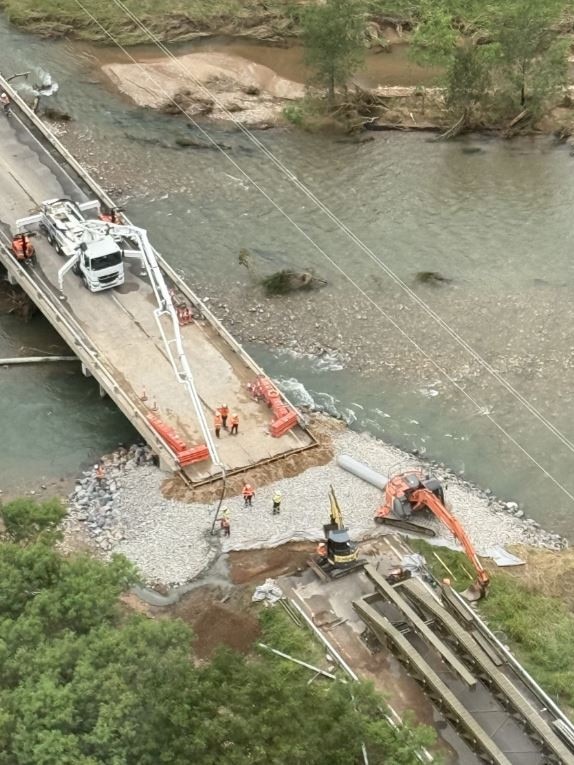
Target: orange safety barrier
195 454
186 455
281 426
284 417
168 434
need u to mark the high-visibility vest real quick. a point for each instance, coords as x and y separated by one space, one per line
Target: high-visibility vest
234 420
224 410
277 498
217 420
248 490
321 549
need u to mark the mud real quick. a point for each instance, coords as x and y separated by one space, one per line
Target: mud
254 566
218 619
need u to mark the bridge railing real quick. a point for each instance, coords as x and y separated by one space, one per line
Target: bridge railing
93 186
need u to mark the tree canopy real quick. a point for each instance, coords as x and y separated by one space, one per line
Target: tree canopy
333 37
82 682
500 58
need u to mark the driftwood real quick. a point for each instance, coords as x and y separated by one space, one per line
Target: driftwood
453 131
509 130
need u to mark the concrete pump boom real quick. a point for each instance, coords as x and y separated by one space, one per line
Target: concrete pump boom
173 343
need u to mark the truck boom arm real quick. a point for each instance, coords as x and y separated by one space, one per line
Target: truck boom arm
170 334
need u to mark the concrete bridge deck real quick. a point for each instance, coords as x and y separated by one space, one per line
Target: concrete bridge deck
115 333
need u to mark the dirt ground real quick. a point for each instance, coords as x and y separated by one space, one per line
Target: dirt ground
225 615
218 619
254 566
322 428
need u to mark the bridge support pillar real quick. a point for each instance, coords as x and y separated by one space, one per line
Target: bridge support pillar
163 465
103 393
85 371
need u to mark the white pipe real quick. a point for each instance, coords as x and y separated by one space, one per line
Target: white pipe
297 661
36 360
362 471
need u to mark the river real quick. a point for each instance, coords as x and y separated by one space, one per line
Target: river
492 216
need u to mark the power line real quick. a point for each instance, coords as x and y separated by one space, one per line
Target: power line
354 238
480 408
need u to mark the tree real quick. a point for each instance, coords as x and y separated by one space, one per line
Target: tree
468 81
532 61
508 60
83 683
333 37
26 519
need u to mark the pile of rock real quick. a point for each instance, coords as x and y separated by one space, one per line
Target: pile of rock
92 504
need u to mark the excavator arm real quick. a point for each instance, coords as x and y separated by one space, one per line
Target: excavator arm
424 498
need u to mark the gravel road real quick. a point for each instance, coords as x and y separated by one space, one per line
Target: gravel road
170 540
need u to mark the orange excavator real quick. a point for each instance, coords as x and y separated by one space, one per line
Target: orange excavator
416 491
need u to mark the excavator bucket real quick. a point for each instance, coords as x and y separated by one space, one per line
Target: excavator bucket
475 592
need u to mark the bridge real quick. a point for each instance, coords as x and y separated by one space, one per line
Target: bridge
114 333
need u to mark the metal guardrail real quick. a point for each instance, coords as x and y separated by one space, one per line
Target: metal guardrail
88 356
182 285
567 727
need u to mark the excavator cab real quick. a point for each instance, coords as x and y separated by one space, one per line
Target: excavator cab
416 491
342 556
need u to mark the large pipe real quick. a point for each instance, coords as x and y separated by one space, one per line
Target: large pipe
36 360
362 471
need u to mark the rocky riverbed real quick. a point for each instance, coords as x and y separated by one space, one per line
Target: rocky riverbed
129 511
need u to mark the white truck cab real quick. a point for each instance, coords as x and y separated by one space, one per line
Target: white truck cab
92 252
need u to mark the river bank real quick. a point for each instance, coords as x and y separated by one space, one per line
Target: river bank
258 19
165 529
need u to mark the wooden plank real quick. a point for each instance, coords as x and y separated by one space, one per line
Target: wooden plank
521 705
418 624
383 629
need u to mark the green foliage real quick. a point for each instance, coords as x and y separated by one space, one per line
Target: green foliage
333 37
539 630
500 58
468 80
81 683
294 114
25 519
532 62
168 19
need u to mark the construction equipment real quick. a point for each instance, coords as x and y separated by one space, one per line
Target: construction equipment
92 251
22 248
338 556
416 491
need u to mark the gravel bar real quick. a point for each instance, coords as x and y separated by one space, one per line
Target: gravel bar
170 540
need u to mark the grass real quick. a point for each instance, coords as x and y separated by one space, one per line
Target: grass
537 626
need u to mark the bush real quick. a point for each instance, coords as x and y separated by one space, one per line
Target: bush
26 519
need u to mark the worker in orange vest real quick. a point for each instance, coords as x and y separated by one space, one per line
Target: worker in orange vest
248 494
100 472
234 422
321 551
224 411
217 422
